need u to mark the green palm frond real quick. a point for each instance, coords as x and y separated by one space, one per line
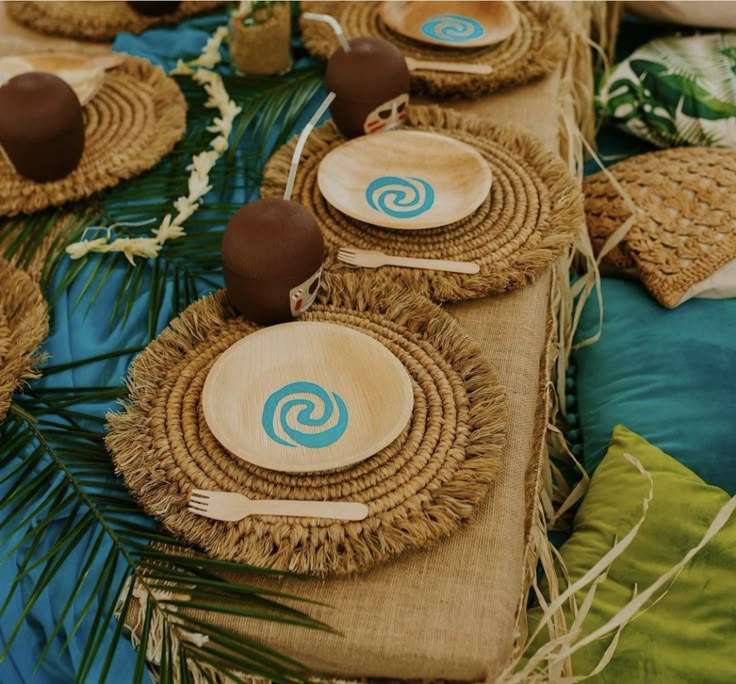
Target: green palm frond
60 496
191 265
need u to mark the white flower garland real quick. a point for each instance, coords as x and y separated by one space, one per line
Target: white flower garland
198 184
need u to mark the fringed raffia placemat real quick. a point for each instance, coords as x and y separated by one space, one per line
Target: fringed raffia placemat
530 217
24 325
684 229
92 20
418 489
534 50
135 119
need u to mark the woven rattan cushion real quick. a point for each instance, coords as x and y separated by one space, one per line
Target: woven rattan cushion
685 229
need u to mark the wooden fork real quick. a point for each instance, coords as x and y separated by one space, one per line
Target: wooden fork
233 506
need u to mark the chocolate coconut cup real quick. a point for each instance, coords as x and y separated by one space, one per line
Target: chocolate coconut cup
41 126
272 253
155 8
373 73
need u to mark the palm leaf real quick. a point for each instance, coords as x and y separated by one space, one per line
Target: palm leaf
61 498
189 267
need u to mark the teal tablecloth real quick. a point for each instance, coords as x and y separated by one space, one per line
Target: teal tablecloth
78 333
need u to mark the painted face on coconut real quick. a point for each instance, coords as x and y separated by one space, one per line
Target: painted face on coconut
303 295
371 83
388 116
272 253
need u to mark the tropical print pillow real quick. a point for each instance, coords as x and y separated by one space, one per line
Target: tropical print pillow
676 91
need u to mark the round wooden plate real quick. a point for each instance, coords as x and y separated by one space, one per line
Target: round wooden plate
85 74
408 180
307 396
452 24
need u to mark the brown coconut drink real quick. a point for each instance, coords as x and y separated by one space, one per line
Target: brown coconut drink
272 252
41 126
371 82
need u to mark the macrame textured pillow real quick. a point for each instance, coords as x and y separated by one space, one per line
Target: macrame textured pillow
684 231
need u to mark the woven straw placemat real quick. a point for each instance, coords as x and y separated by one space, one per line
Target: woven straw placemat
418 489
135 119
685 230
534 49
91 20
531 215
23 326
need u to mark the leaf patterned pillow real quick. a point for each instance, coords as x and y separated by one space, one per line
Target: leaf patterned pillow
676 91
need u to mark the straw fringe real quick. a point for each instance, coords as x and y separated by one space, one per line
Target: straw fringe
99 21
23 327
425 511
546 181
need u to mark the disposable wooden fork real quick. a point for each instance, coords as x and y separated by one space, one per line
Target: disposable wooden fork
373 259
233 506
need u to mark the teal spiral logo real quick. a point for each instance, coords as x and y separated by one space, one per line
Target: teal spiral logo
452 28
299 405
400 197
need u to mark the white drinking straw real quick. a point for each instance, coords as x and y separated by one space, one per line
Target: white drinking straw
302 141
335 27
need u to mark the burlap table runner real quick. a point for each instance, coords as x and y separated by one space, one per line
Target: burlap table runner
418 489
533 50
522 227
136 119
684 230
23 327
451 612
94 20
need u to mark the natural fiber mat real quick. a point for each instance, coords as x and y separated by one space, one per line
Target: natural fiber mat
684 231
531 215
90 20
534 50
23 326
136 119
418 489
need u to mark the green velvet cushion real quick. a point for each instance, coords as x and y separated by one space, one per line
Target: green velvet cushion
669 375
689 636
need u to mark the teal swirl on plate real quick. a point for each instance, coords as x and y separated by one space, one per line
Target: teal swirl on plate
304 404
452 28
400 197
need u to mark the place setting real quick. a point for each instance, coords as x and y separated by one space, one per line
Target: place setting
370 426
451 48
455 207
104 118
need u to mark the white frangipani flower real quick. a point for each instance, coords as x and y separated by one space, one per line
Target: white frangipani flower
198 183
81 249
